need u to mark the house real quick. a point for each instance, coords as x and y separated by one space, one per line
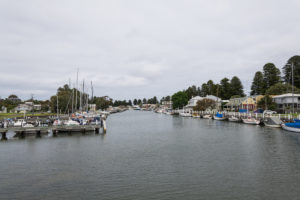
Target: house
28 106
23 108
92 107
247 103
284 102
193 102
167 104
3 109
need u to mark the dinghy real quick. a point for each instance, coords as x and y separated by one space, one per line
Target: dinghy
293 127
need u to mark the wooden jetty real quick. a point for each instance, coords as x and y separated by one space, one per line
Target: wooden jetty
22 132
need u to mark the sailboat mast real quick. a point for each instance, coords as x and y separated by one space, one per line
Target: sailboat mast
76 90
57 105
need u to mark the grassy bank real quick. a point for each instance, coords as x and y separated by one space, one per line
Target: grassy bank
13 115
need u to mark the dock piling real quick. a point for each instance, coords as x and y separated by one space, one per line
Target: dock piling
3 137
38 133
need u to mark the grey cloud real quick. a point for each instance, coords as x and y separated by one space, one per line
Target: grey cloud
140 48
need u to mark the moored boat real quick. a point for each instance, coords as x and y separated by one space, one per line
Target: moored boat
293 127
207 117
219 117
274 122
234 119
251 121
185 114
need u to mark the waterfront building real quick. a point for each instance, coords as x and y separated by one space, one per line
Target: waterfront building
193 102
3 109
167 104
92 107
27 107
284 102
250 103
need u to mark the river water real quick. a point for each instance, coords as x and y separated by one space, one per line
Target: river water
145 155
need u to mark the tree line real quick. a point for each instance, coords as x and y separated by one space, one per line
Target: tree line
225 89
270 82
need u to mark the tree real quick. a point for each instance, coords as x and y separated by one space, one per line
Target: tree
129 103
257 86
139 102
192 91
204 90
204 104
236 86
281 88
266 103
211 87
144 100
155 100
135 102
102 102
179 99
287 71
271 75
225 88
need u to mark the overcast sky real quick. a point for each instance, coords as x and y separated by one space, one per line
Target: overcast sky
140 48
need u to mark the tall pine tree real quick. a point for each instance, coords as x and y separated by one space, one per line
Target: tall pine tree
257 86
287 71
236 87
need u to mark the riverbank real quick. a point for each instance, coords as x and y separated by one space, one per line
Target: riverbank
13 115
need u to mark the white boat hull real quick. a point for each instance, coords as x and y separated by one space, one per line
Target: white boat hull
251 121
292 129
273 126
219 118
234 119
207 117
185 114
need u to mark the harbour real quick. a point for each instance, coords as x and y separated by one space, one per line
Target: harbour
170 158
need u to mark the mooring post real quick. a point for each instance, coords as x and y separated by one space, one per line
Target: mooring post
22 135
38 133
54 133
3 138
104 126
97 130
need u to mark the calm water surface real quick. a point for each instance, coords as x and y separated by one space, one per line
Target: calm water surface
151 156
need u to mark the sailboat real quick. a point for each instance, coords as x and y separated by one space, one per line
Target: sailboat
293 126
234 119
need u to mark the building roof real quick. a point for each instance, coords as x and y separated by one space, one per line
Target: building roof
286 95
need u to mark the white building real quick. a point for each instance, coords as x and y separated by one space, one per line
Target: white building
28 106
193 101
285 102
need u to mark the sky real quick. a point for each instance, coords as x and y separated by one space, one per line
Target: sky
137 48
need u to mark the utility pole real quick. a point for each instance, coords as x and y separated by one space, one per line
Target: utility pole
293 86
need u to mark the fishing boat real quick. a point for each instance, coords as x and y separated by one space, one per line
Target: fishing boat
71 123
234 119
251 121
185 114
274 122
207 116
294 126
20 123
219 117
57 122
